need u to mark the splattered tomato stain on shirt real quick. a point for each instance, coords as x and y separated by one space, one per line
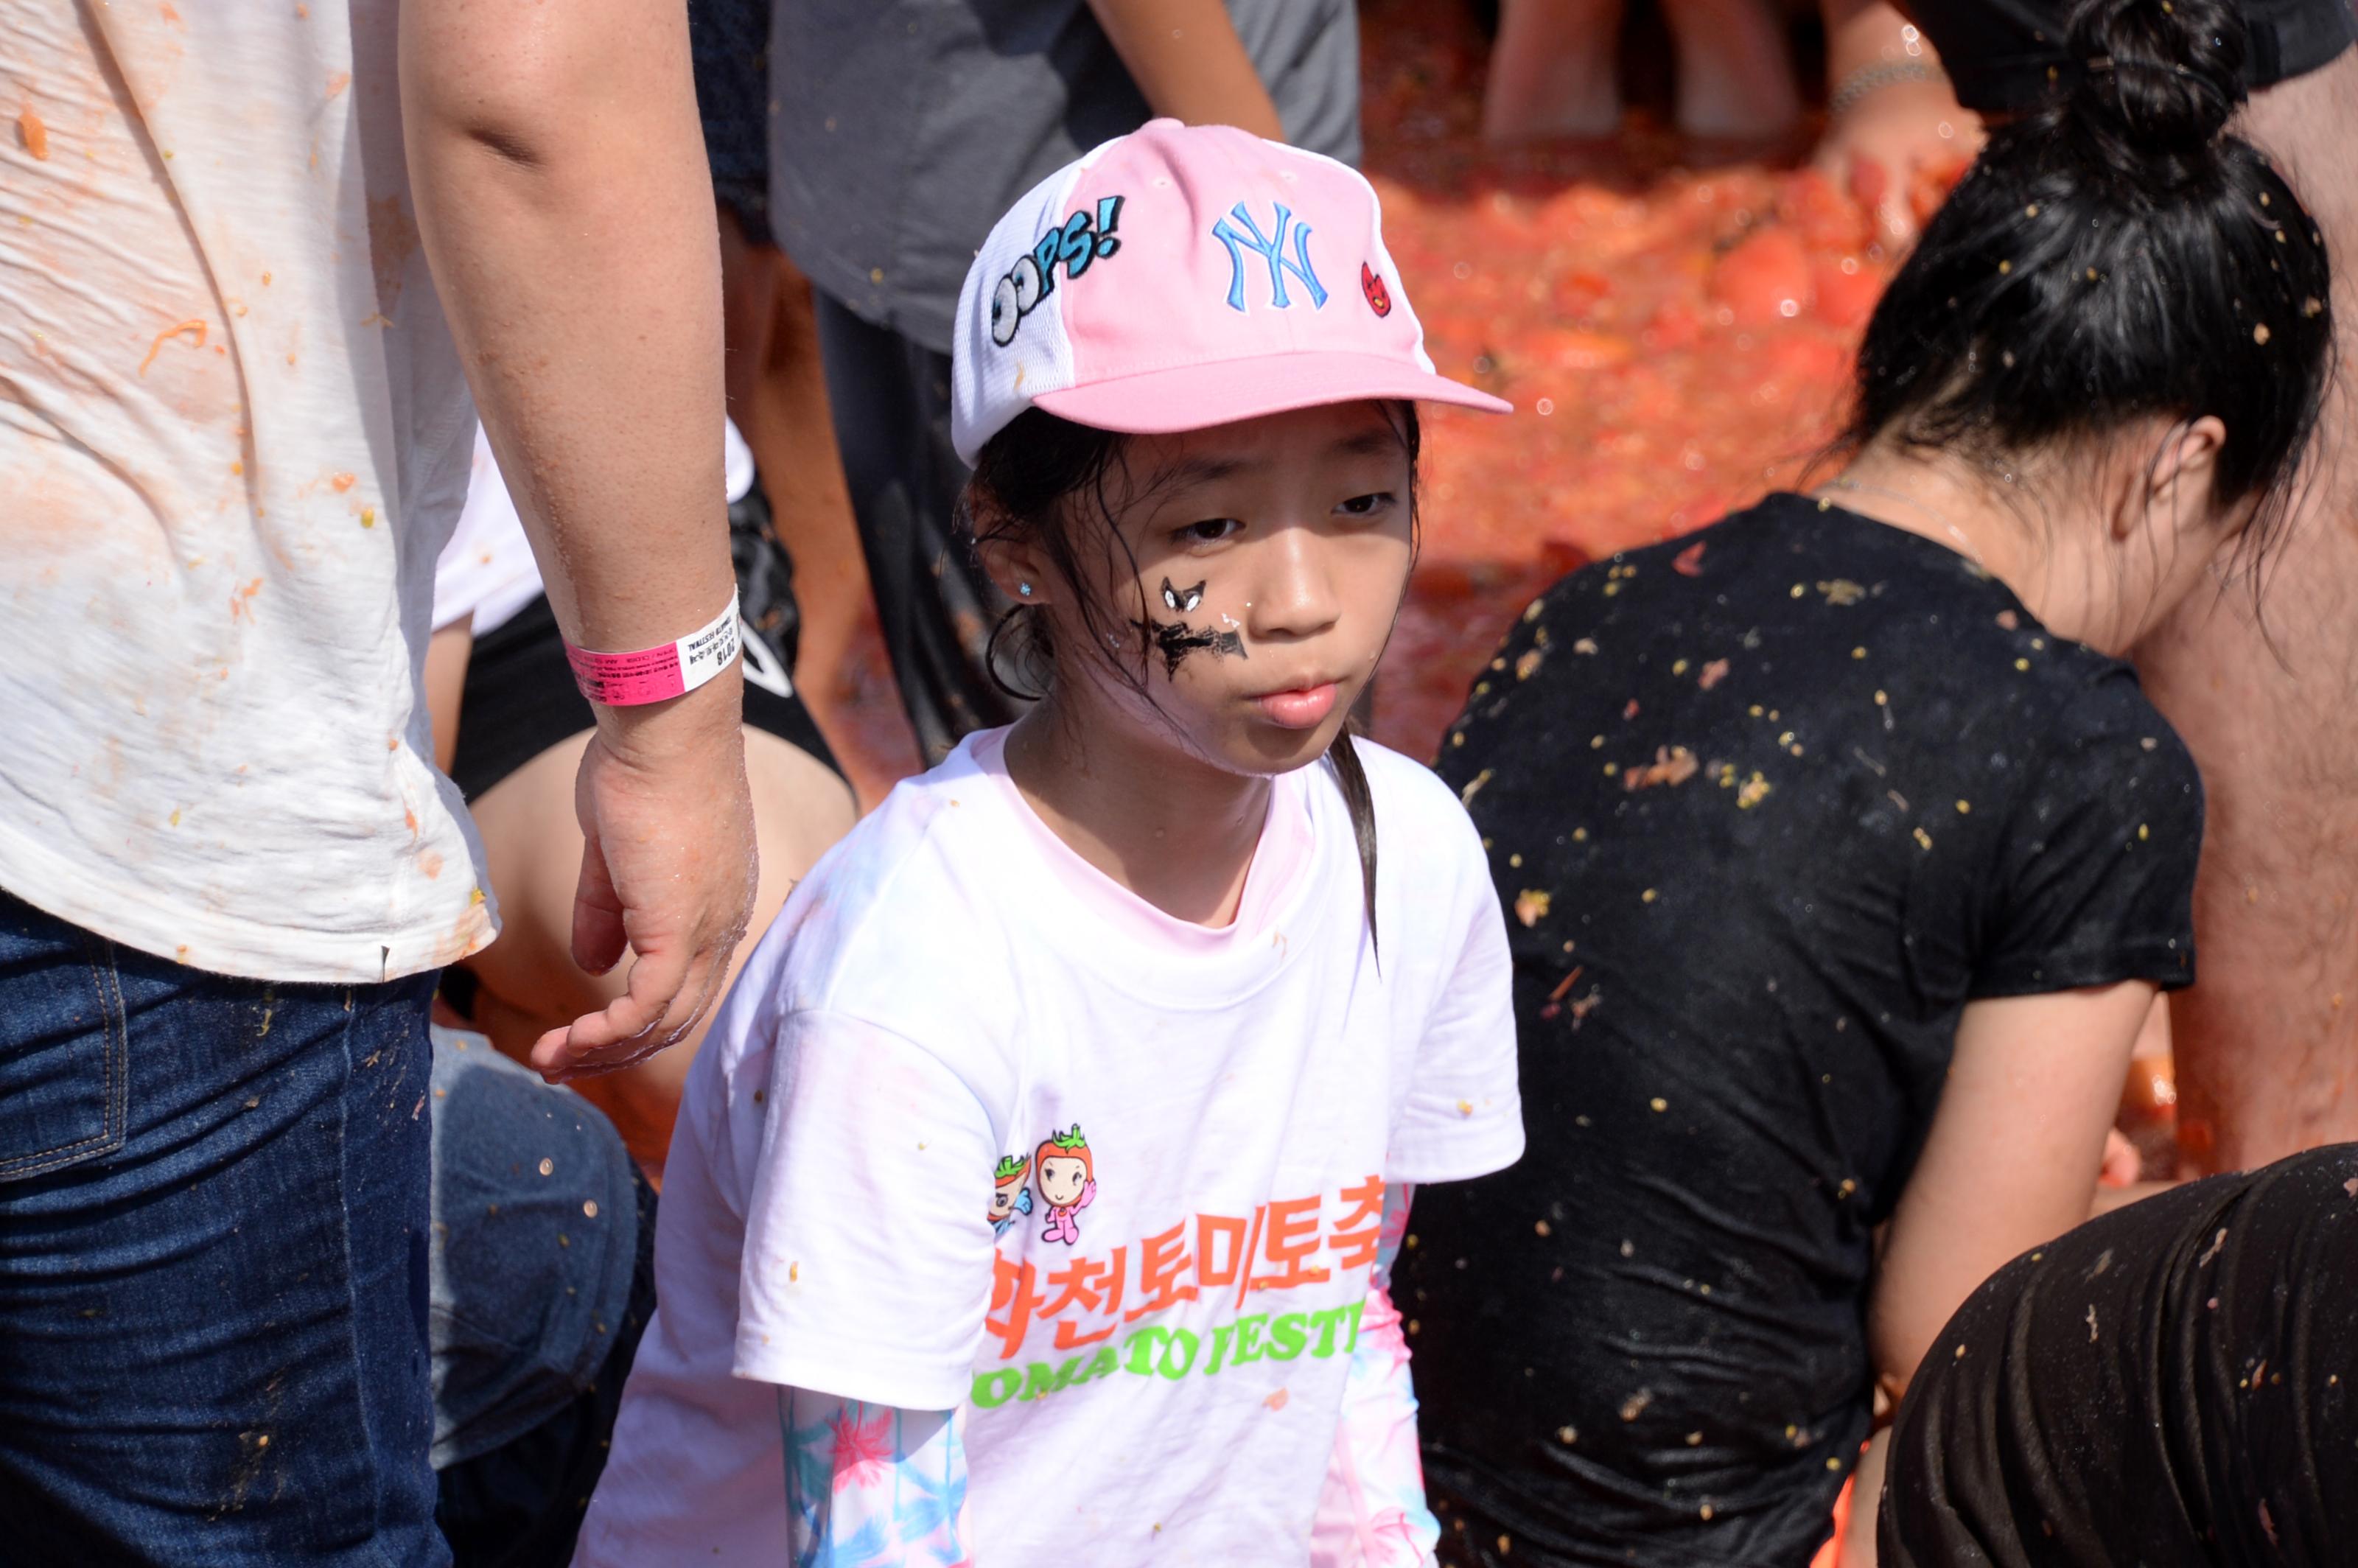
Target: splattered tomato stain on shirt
194 329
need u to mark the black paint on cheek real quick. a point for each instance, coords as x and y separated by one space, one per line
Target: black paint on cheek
1175 640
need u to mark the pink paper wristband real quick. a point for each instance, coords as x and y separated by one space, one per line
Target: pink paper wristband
667 670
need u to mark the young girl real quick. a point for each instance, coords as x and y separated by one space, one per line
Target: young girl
1176 905
1845 857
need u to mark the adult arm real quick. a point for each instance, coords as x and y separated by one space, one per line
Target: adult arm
2011 1161
556 163
869 1484
1186 58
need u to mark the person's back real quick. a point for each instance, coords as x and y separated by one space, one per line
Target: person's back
1769 806
234 435
1848 857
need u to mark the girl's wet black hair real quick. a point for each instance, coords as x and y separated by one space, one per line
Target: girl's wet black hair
2115 255
1063 487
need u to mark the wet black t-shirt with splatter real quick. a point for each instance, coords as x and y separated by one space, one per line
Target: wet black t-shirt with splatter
1767 806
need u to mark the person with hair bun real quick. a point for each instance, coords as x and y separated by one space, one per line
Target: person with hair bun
2266 1049
1844 858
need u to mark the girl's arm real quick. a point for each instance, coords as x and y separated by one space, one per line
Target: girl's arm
2011 1162
867 1484
1373 1513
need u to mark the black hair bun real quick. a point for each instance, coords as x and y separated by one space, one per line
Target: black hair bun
2159 79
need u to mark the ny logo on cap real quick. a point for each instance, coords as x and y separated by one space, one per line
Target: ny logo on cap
1270 248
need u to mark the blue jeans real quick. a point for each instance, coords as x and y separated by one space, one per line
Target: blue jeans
212 1262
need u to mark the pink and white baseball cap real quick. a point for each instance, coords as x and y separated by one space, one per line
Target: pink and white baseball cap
1183 277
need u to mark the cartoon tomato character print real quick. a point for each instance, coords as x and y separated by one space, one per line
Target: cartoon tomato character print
1378 292
1067 1179
1009 1195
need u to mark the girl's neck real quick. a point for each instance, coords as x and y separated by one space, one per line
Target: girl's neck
1967 510
1172 828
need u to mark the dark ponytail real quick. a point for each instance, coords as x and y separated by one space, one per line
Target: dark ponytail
1062 487
2113 256
1351 778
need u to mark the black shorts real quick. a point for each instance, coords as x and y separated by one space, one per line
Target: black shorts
2176 1382
520 699
1999 52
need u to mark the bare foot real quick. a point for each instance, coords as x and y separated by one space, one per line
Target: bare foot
1553 71
1736 79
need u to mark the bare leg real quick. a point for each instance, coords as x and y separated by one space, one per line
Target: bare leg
777 394
1736 75
528 977
1553 72
1856 1548
2268 1040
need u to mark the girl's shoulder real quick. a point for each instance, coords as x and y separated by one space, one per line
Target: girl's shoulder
914 887
1425 839
1405 788
2105 742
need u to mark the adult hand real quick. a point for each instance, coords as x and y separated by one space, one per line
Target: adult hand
1896 148
668 869
1895 138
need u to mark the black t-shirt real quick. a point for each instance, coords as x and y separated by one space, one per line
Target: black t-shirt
1767 806
2007 56
2175 1382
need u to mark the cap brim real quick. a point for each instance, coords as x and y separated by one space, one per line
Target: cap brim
1196 397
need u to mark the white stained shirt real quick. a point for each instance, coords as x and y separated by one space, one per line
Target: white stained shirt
979 1127
233 435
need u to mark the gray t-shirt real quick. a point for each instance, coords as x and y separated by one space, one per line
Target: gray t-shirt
900 130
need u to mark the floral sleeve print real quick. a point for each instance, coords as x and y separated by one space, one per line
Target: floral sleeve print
872 1487
1373 1513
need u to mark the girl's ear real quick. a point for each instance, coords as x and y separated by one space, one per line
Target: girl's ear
1011 558
2180 488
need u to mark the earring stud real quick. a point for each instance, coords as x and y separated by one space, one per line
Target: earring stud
1024 588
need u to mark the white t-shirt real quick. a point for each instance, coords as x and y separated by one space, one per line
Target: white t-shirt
1153 1346
487 573
233 435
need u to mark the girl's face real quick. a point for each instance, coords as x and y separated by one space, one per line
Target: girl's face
1272 556
1002 1200
1062 1179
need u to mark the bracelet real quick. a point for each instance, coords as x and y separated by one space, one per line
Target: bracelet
1868 81
667 670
